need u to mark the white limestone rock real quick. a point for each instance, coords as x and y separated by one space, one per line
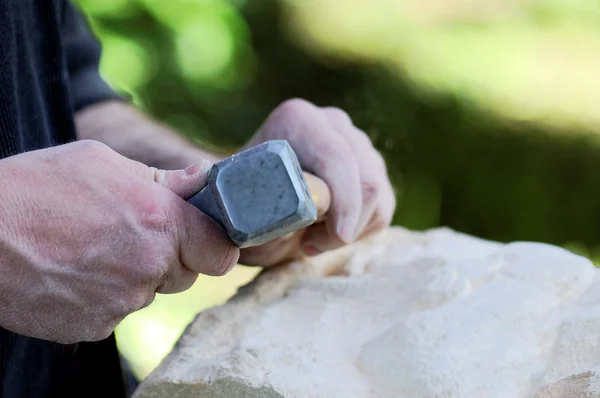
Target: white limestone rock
582 385
404 314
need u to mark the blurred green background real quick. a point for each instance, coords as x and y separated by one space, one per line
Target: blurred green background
486 110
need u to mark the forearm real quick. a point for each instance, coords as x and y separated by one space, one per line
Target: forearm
136 136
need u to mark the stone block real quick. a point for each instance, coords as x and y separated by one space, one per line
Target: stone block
403 314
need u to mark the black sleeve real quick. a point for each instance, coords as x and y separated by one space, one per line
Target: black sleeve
82 52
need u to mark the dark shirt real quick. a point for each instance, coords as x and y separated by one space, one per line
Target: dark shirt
49 71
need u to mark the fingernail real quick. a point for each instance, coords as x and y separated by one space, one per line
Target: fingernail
310 249
196 168
191 170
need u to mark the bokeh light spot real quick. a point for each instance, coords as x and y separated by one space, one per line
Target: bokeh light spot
124 62
205 49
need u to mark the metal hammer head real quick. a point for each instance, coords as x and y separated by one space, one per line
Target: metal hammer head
258 195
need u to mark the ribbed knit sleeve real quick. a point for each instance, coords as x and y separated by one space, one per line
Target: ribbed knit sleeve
83 51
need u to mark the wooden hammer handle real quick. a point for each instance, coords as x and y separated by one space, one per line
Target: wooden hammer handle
319 191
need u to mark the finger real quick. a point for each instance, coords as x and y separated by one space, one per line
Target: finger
287 248
320 194
177 280
317 240
204 247
274 252
382 217
184 183
376 224
369 173
324 153
375 185
387 206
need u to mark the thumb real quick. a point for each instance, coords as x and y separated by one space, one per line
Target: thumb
185 182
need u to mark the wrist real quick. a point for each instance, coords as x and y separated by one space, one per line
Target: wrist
136 136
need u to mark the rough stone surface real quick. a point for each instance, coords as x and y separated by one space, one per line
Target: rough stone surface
583 385
404 314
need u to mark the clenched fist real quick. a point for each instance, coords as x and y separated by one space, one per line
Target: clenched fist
88 236
332 148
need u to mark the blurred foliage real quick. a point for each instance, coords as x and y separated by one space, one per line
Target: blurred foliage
486 111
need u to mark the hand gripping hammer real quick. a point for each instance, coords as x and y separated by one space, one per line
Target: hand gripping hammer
261 194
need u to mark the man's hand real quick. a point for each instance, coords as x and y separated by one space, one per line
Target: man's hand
88 236
326 142
331 147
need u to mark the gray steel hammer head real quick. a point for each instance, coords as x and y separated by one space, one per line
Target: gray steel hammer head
258 195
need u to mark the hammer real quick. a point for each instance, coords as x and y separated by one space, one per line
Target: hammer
261 194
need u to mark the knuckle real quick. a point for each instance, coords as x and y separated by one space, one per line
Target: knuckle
148 274
154 215
294 107
338 150
370 190
338 115
155 220
364 138
93 147
332 154
92 153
